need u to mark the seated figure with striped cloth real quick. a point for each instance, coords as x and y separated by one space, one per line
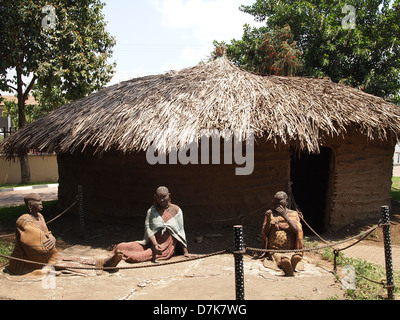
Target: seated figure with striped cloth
282 230
164 232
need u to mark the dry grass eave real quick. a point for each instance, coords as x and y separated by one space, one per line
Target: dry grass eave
173 109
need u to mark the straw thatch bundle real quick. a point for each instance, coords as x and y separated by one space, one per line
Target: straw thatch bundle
172 109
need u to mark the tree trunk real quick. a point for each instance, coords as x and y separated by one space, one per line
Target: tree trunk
23 158
25 170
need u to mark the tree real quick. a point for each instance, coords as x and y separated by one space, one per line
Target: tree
263 52
355 42
56 50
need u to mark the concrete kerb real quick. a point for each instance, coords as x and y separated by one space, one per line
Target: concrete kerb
40 186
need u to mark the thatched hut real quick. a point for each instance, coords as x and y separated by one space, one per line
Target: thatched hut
334 143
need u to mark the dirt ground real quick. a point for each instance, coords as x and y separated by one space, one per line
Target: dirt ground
211 278
205 279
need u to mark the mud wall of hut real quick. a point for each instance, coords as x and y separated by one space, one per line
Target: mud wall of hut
121 188
362 179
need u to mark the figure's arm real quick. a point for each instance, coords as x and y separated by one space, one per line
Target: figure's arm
153 240
33 239
150 233
50 243
266 228
155 244
299 234
292 224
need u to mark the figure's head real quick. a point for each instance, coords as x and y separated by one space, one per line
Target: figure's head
34 202
280 199
162 197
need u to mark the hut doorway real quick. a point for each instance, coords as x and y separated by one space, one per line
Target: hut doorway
310 174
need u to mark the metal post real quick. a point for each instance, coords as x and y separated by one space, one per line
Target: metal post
388 252
81 212
238 254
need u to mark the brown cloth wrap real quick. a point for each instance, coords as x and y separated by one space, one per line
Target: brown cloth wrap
29 246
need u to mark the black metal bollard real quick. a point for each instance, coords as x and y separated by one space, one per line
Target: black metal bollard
238 254
388 252
81 212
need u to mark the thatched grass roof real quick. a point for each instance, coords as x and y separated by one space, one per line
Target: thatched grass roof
170 109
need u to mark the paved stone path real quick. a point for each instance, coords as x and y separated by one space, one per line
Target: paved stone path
374 254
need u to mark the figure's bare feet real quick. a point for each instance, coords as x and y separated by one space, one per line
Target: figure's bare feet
295 260
287 267
114 259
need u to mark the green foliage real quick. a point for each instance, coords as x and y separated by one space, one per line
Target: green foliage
60 63
395 190
263 52
32 112
366 56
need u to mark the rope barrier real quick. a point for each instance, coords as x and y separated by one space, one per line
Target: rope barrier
62 213
155 264
246 249
337 252
328 245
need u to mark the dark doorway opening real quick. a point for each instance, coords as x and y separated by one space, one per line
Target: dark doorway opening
310 175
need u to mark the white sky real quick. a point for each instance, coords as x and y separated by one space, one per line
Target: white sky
154 36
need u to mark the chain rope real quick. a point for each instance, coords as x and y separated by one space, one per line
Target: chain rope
139 266
328 245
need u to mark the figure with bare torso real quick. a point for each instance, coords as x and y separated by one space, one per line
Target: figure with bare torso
282 230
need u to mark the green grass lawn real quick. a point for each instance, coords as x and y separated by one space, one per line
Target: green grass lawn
365 290
6 249
395 188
